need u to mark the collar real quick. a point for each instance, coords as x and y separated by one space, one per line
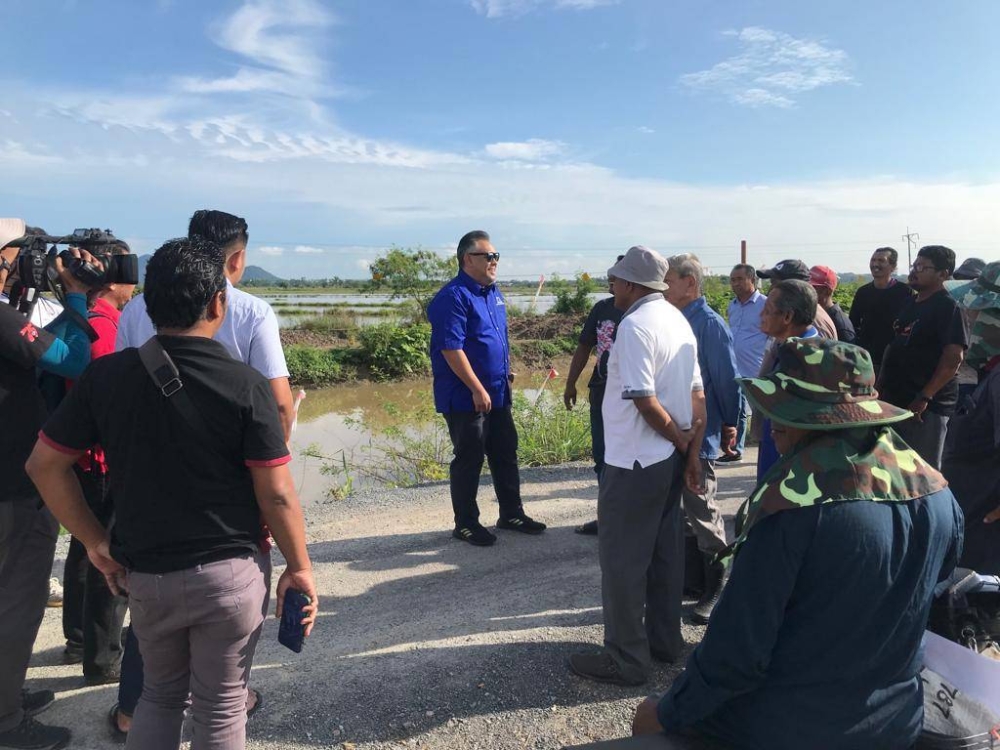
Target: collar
693 307
474 286
651 297
751 299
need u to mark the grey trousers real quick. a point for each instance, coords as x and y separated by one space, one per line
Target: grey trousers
641 544
703 514
197 630
27 546
925 437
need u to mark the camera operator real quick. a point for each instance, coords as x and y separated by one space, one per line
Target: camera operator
92 614
27 530
46 309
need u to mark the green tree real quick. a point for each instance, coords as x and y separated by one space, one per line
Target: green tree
411 274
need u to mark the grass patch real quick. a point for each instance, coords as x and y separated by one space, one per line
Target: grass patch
309 364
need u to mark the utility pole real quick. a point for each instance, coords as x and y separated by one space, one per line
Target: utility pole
911 241
743 252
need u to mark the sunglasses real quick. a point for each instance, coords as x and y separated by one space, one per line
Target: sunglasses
490 257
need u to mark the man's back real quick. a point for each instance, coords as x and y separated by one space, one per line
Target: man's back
183 495
816 640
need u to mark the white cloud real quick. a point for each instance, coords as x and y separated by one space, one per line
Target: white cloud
270 250
501 8
280 40
645 129
771 68
308 250
363 264
534 149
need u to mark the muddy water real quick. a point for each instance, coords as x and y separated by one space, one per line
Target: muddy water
359 304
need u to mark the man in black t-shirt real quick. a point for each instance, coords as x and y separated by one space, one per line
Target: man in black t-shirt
597 336
194 473
920 364
27 530
876 304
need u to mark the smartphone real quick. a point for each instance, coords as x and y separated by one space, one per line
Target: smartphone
291 631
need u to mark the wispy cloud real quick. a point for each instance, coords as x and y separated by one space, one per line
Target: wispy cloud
279 41
771 69
270 250
308 250
501 8
535 149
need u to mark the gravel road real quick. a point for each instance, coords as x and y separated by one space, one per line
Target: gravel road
424 641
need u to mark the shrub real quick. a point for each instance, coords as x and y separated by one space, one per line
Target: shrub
311 365
575 301
392 351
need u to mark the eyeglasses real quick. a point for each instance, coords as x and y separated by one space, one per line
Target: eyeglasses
490 257
921 269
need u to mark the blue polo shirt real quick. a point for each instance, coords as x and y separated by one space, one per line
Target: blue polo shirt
718 373
468 316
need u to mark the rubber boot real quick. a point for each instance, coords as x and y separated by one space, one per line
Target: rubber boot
715 577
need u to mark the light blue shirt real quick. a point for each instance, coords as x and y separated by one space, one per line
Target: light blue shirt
249 331
748 341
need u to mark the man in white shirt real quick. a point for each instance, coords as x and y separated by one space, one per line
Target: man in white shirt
250 331
653 411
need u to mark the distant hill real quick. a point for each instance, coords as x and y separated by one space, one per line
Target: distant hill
256 273
251 273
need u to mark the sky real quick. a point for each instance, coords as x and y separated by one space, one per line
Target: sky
568 129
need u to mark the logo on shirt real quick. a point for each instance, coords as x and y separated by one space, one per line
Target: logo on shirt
605 337
29 332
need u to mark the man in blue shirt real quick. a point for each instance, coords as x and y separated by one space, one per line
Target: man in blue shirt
470 359
748 340
723 400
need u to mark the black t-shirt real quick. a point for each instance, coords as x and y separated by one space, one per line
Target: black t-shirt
181 499
873 312
599 331
21 405
922 331
845 330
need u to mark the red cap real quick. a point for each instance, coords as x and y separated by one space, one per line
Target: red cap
823 276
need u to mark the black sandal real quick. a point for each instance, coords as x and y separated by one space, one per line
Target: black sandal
116 732
257 705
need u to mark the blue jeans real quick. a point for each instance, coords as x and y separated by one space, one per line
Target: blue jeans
130 686
741 425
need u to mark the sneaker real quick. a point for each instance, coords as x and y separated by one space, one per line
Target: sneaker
521 523
730 458
587 529
475 535
601 668
73 653
30 735
35 701
55 593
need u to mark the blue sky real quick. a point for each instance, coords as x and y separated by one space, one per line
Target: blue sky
569 129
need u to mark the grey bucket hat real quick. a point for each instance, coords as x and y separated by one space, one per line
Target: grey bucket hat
642 265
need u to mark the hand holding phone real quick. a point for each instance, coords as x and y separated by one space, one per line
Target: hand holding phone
296 607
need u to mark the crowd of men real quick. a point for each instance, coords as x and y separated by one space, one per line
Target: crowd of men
176 437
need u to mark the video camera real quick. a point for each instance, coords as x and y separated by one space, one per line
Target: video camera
35 262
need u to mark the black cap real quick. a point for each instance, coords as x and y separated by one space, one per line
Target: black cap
786 269
969 270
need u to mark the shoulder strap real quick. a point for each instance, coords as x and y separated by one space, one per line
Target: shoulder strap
167 377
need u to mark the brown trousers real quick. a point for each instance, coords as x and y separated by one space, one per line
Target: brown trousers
197 631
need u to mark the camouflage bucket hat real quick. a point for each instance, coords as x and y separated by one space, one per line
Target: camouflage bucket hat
981 293
821 384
